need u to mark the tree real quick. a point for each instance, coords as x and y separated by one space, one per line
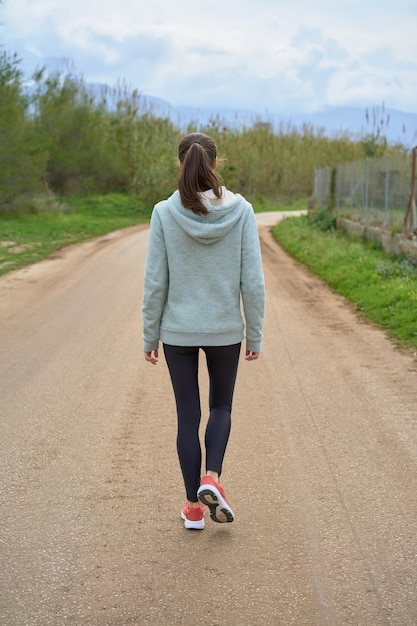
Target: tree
21 164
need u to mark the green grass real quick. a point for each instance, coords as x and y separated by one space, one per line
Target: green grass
383 288
261 204
27 238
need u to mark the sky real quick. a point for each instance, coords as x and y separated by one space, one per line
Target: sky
263 55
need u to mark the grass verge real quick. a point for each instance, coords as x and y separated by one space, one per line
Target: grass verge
383 288
27 238
261 205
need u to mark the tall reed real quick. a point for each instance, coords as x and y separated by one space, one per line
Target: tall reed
69 139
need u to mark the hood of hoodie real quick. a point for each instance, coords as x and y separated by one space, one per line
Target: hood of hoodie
207 229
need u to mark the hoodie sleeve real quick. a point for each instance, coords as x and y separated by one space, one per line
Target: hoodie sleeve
252 283
156 285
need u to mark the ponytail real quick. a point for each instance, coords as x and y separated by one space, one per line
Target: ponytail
197 153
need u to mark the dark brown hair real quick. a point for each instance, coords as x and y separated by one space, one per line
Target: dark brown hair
197 153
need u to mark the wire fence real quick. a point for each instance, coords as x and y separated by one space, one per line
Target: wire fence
374 191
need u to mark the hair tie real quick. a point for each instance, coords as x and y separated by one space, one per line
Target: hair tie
197 142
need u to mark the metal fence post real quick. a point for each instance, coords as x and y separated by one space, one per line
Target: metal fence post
366 187
338 187
386 187
410 215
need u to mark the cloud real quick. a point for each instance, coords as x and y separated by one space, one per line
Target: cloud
135 59
297 56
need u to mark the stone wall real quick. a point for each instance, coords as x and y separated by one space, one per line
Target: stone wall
393 243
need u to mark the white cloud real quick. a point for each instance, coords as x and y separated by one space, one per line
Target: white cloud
298 56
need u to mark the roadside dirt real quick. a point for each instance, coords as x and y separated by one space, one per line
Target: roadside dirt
321 468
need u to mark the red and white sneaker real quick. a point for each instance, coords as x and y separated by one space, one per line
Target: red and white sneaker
193 517
212 495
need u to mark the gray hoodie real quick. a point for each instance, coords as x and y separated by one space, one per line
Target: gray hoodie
199 270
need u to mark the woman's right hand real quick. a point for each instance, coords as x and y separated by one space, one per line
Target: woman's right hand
151 357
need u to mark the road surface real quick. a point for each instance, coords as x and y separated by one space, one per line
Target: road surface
321 468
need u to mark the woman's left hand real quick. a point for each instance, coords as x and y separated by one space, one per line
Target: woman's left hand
251 356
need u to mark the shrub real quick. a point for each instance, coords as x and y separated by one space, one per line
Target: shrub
323 220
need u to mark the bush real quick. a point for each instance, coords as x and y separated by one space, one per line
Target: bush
323 220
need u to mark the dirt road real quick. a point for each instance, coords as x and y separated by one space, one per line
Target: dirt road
321 469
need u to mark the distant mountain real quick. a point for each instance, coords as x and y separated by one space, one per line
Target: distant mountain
398 126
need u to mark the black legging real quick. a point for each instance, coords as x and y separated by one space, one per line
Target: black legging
222 364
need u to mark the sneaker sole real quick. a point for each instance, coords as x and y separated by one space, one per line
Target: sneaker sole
190 525
220 511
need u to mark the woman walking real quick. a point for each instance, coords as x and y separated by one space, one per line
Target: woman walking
203 262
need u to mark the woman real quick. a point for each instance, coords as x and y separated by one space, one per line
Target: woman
203 261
